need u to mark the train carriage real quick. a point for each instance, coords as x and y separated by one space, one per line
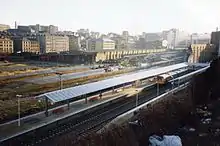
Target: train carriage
165 78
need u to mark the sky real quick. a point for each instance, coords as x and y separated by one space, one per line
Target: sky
135 16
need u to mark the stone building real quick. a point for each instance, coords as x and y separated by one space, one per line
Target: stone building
53 43
6 45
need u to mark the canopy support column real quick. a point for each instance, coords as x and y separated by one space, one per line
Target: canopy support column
68 104
100 95
86 99
46 107
113 89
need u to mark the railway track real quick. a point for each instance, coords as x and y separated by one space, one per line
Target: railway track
83 124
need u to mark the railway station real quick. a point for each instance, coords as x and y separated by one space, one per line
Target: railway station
77 99
84 91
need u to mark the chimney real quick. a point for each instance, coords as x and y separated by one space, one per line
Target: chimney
15 25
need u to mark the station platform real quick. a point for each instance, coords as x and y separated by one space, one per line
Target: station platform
32 122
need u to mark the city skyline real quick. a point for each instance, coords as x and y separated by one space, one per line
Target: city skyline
115 16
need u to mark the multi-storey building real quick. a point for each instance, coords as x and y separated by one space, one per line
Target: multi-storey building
4 27
125 35
83 32
172 38
201 53
120 42
94 35
200 38
131 43
35 46
100 44
104 44
22 45
53 43
176 38
74 42
6 45
151 37
40 28
141 43
91 44
215 39
52 29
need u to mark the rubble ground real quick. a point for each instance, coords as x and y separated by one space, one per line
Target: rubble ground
202 127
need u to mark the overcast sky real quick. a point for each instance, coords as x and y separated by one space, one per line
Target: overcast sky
104 16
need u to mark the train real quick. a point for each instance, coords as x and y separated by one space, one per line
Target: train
166 77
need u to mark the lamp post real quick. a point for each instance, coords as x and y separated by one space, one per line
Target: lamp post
19 109
60 77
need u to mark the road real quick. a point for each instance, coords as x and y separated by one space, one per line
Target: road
44 71
64 77
81 124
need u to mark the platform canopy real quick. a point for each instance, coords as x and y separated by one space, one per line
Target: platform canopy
69 93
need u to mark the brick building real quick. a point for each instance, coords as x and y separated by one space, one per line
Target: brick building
22 45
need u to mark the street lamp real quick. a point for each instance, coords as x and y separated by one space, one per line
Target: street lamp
60 76
19 109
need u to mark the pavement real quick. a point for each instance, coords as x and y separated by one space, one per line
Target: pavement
37 120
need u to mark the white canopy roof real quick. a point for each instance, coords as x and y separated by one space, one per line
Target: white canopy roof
69 93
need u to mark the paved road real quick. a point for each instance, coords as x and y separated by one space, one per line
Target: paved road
14 67
44 71
52 79
27 74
